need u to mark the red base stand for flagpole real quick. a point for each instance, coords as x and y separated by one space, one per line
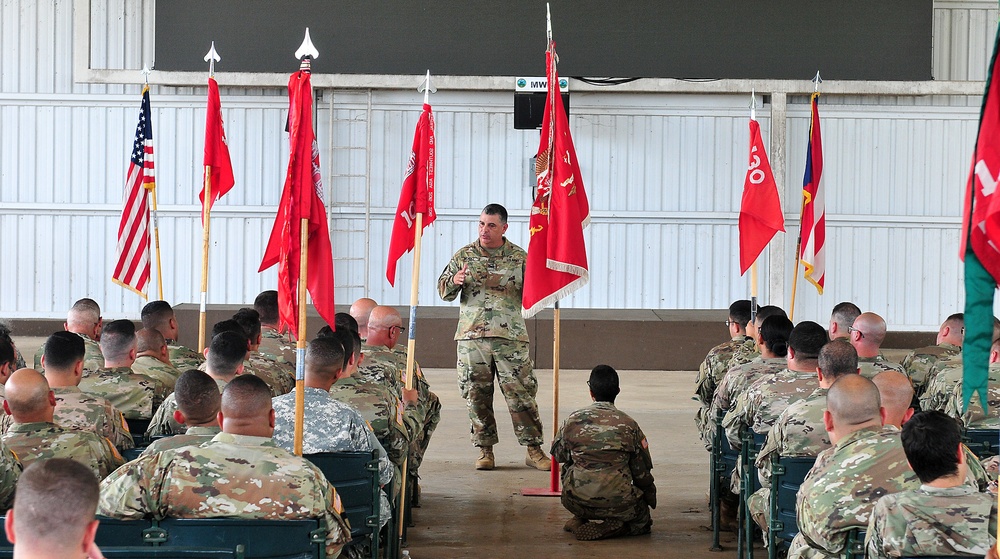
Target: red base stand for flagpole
551 491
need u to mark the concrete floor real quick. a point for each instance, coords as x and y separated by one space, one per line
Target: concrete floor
467 513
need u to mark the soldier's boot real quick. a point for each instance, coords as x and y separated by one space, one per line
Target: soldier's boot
486 460
537 459
601 530
574 523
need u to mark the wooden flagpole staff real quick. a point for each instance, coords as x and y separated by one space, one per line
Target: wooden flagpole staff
798 244
206 208
306 53
753 267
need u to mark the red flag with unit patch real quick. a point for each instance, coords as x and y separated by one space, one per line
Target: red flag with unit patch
760 210
417 195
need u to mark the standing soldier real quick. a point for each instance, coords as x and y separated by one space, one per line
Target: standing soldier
492 338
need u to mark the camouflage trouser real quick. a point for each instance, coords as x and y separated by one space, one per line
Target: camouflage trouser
431 416
635 514
479 361
760 508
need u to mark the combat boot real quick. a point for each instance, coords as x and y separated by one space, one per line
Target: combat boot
486 460
537 459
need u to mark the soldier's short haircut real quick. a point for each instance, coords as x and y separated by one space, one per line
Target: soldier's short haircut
351 341
63 350
7 354
246 396
266 304
844 314
739 312
249 319
496 209
768 311
149 339
87 306
117 338
774 331
226 353
807 338
325 332
603 383
837 358
931 442
956 320
197 396
56 500
229 325
6 329
344 320
853 400
156 315
325 354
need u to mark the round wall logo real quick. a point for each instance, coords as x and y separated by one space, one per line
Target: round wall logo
522 82
563 83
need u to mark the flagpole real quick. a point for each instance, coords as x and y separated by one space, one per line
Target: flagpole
798 244
753 266
305 53
156 230
206 209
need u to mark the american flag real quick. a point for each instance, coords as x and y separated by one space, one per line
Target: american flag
132 268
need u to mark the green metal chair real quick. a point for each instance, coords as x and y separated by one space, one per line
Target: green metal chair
355 476
749 483
250 539
145 551
787 474
984 442
855 547
721 464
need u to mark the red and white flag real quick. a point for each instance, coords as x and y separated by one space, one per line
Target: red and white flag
216 149
132 267
557 255
813 254
760 210
417 195
301 198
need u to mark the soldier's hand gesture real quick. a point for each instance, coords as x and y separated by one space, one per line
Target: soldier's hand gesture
459 278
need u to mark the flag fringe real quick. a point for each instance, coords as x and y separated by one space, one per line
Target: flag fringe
130 288
808 276
568 268
555 297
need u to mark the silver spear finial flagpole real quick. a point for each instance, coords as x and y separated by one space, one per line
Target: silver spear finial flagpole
816 81
145 73
307 48
548 23
212 57
427 88
753 104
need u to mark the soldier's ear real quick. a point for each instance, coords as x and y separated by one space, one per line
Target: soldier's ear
179 417
8 523
221 419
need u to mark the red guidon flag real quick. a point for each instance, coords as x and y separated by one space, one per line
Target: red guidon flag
417 195
217 159
813 225
557 255
301 198
760 211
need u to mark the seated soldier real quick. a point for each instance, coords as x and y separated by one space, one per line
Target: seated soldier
866 462
34 436
944 393
8 364
246 475
152 358
7 331
945 516
273 344
198 403
918 363
841 320
280 376
713 368
867 335
159 315
136 396
606 466
83 319
53 515
225 360
328 425
63 360
974 417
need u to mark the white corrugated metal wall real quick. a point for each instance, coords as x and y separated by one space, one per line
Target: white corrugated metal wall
663 172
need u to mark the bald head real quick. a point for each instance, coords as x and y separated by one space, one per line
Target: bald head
246 407
896 392
360 310
384 326
29 399
852 404
868 334
84 317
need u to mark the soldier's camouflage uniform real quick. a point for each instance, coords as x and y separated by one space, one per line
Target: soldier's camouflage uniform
39 441
744 354
932 521
710 374
798 431
93 359
606 467
426 412
733 385
184 359
234 476
941 388
493 340
279 377
974 417
164 373
760 404
193 436
382 409
330 425
919 362
163 423
86 412
5 420
10 471
277 347
871 366
840 490
19 359
136 396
